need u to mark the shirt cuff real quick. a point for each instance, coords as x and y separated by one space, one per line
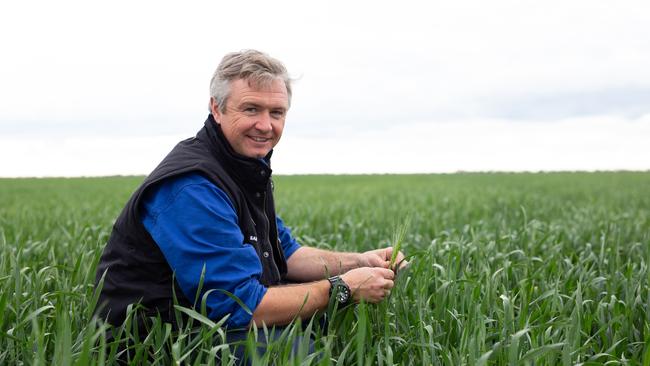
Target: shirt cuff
240 318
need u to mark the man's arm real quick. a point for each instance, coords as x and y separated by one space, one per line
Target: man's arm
282 304
311 264
195 226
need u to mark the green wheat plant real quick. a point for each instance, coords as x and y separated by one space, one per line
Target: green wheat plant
399 234
505 269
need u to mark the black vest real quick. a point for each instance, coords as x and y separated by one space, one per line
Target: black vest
136 270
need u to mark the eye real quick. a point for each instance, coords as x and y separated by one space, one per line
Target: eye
277 114
250 110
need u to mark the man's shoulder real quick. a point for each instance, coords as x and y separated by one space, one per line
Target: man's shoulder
172 186
178 182
191 183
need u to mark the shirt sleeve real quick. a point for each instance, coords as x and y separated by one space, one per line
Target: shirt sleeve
288 242
195 225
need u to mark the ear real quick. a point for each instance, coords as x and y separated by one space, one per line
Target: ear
214 109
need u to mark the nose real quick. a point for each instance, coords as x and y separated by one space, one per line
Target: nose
263 123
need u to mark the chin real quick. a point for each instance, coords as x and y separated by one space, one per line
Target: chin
254 152
256 155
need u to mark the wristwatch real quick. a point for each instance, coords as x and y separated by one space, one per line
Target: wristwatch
340 290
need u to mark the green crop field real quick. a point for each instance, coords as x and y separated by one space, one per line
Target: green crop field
537 269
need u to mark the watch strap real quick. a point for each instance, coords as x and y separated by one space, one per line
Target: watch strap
338 281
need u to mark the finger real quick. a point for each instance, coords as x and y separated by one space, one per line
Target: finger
386 273
379 295
375 260
403 264
383 294
389 284
375 298
388 252
399 257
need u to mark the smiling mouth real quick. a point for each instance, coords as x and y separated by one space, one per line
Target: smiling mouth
259 139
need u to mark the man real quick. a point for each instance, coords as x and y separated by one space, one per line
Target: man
208 209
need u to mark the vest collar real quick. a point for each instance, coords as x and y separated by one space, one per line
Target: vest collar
250 172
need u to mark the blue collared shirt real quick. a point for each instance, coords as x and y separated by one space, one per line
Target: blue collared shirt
195 225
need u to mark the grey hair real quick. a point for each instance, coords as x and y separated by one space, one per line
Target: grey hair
256 67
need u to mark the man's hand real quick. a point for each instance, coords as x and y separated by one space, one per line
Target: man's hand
370 284
381 258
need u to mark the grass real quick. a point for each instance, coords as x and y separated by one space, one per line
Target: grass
398 240
505 269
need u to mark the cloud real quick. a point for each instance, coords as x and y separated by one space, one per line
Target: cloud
590 143
631 102
80 71
83 156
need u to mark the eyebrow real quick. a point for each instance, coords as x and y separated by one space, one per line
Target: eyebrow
258 105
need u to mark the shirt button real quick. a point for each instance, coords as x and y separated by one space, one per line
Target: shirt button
263 173
258 194
265 254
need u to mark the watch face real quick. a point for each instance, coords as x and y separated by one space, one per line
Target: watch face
339 290
343 295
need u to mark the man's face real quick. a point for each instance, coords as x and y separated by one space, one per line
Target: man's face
254 117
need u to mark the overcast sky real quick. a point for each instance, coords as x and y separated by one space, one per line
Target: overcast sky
104 88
